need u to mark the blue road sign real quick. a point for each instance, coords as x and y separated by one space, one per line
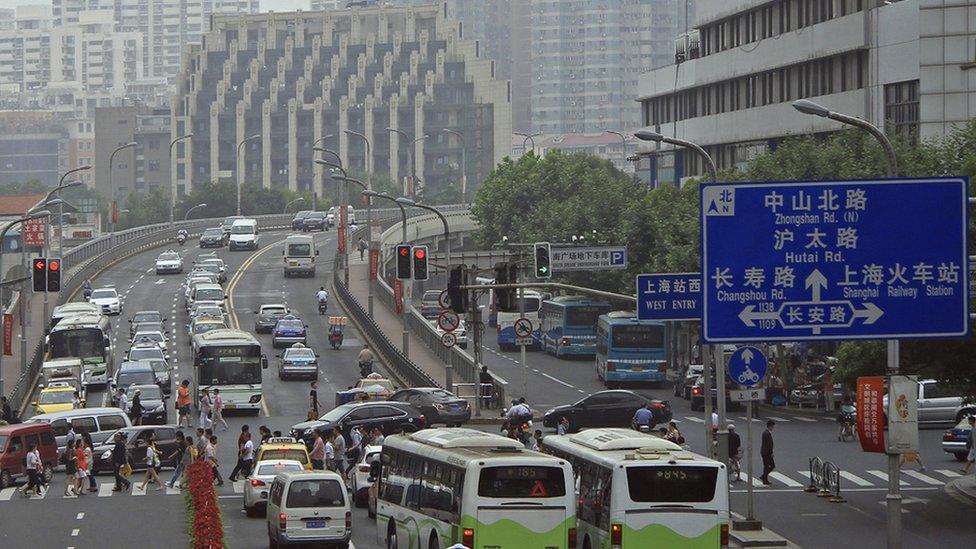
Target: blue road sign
671 296
747 366
832 260
618 258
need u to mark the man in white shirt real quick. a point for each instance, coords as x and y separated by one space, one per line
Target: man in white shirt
330 463
122 399
247 455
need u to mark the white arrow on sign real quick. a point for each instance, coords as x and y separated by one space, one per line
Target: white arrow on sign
747 316
870 313
747 356
817 281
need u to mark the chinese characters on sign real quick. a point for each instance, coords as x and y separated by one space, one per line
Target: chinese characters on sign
398 296
34 231
672 296
870 418
835 260
588 259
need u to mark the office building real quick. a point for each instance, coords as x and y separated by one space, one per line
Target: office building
295 79
900 65
32 147
7 19
141 168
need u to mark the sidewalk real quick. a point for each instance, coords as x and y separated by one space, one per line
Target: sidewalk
390 322
33 309
964 487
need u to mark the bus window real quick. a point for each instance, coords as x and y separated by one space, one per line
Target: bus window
521 482
638 337
672 484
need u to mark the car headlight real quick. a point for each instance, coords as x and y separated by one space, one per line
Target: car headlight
159 409
107 454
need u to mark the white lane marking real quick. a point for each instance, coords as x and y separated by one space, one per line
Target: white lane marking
137 491
105 490
755 481
695 419
238 486
855 479
561 382
807 419
75 532
948 473
785 480
80 516
924 478
778 419
884 476
7 493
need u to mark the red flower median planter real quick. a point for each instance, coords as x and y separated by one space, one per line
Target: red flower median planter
207 529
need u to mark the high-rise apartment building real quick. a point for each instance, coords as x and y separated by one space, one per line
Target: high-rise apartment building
6 19
587 57
141 168
298 79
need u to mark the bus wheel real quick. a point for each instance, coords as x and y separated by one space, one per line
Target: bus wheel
391 536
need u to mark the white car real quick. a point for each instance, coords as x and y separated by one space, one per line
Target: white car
150 337
461 333
108 300
256 487
169 262
359 479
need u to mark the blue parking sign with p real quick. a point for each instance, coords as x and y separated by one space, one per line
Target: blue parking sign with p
618 257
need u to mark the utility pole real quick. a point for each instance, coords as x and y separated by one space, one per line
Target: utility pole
474 324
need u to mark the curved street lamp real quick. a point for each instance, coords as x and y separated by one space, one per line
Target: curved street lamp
111 184
240 172
296 201
172 190
186 216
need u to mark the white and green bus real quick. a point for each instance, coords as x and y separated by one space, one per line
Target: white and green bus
229 360
636 490
440 487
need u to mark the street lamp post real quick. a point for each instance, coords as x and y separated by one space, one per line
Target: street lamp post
411 157
528 137
240 172
3 234
623 141
186 216
111 185
343 211
722 433
337 164
464 164
172 191
403 312
893 498
369 233
57 191
296 201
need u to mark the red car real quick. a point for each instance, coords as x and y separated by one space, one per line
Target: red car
14 442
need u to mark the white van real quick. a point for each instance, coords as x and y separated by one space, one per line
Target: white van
333 216
205 292
308 507
244 235
299 255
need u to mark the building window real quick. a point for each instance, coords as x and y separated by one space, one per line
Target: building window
901 109
152 165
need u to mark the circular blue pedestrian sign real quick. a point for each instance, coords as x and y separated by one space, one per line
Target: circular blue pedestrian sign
747 366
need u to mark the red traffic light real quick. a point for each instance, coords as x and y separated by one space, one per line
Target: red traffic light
53 265
39 265
404 250
419 253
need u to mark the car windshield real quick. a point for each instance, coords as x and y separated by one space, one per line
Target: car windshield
104 294
56 397
242 229
143 353
166 256
202 327
671 484
158 366
209 310
316 493
290 325
209 294
147 392
148 336
212 232
273 469
336 413
136 378
299 250
316 215
147 316
141 327
383 384
299 354
3 442
293 454
431 296
274 310
521 482
441 395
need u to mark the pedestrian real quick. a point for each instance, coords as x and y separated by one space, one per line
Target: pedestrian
120 459
970 445
152 464
915 457
206 406
537 440
247 455
339 447
121 399
355 449
70 461
70 436
241 439
735 453
135 409
183 403
313 402
179 458
81 476
264 433
487 382
276 434
673 434
714 422
317 455
218 410
766 451
202 439
563 427
191 449
362 248
89 459
211 457
377 437
75 401
330 463
33 465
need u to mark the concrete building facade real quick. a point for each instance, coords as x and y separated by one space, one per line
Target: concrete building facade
141 168
32 147
295 79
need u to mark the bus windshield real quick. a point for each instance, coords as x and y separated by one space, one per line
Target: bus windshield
671 484
584 315
521 482
231 365
638 337
78 343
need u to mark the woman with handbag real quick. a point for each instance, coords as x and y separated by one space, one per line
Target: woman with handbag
152 464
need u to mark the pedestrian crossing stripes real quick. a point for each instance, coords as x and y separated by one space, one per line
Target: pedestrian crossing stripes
924 478
238 486
948 473
695 419
909 478
104 491
884 476
785 480
855 479
807 419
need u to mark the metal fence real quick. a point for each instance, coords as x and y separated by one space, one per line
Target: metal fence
825 480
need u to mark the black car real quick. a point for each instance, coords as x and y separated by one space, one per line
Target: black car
436 404
153 403
314 221
390 417
607 409
296 222
212 238
136 441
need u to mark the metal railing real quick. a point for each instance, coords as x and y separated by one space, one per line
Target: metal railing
824 480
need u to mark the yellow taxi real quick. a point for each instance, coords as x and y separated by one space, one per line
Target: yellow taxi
284 448
56 397
375 386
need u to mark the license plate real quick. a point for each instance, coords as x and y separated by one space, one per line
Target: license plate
293 263
315 524
637 369
589 344
230 405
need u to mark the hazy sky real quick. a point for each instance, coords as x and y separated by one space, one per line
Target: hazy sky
276 5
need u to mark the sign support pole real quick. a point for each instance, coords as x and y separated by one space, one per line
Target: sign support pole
525 367
722 439
474 324
707 371
893 498
750 505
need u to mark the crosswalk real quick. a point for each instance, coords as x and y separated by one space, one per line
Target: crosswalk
777 419
872 478
56 491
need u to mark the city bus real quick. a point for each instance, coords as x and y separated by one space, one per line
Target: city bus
630 350
568 325
88 337
506 320
440 487
638 490
229 360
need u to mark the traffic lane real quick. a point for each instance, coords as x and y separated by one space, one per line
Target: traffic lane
243 532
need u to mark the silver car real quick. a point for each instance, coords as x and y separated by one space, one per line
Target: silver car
256 487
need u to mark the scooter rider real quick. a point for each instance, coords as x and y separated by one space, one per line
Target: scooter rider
322 296
87 288
519 412
365 360
643 419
